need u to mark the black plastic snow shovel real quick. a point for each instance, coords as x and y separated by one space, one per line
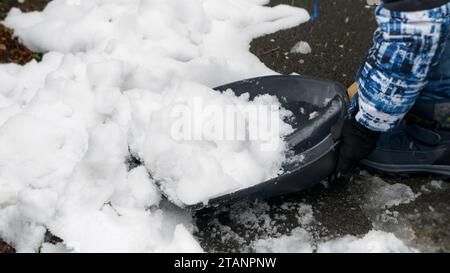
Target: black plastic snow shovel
319 107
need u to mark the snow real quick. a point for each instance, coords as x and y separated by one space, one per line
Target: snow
313 115
140 191
112 73
54 248
433 185
437 184
297 242
292 226
373 242
373 2
301 47
303 237
305 215
215 166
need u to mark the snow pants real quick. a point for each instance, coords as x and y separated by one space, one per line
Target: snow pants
408 64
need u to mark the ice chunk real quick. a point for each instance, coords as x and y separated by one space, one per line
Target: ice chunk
381 195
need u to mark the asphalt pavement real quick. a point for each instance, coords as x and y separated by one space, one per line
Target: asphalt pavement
339 38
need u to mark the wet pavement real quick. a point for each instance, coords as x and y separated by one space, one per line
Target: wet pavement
336 211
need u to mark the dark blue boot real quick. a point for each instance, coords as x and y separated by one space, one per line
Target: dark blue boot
411 148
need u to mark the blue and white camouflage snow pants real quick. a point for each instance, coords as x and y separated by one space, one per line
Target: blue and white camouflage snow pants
410 61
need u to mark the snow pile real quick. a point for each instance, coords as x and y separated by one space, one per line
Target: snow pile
113 73
300 242
372 242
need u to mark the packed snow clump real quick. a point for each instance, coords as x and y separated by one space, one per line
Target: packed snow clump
113 73
301 47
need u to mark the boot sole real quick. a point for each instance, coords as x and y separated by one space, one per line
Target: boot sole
408 169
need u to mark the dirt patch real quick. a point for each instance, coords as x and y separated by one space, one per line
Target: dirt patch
5 248
12 51
26 6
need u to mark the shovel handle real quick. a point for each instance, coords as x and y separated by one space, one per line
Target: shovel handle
352 90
